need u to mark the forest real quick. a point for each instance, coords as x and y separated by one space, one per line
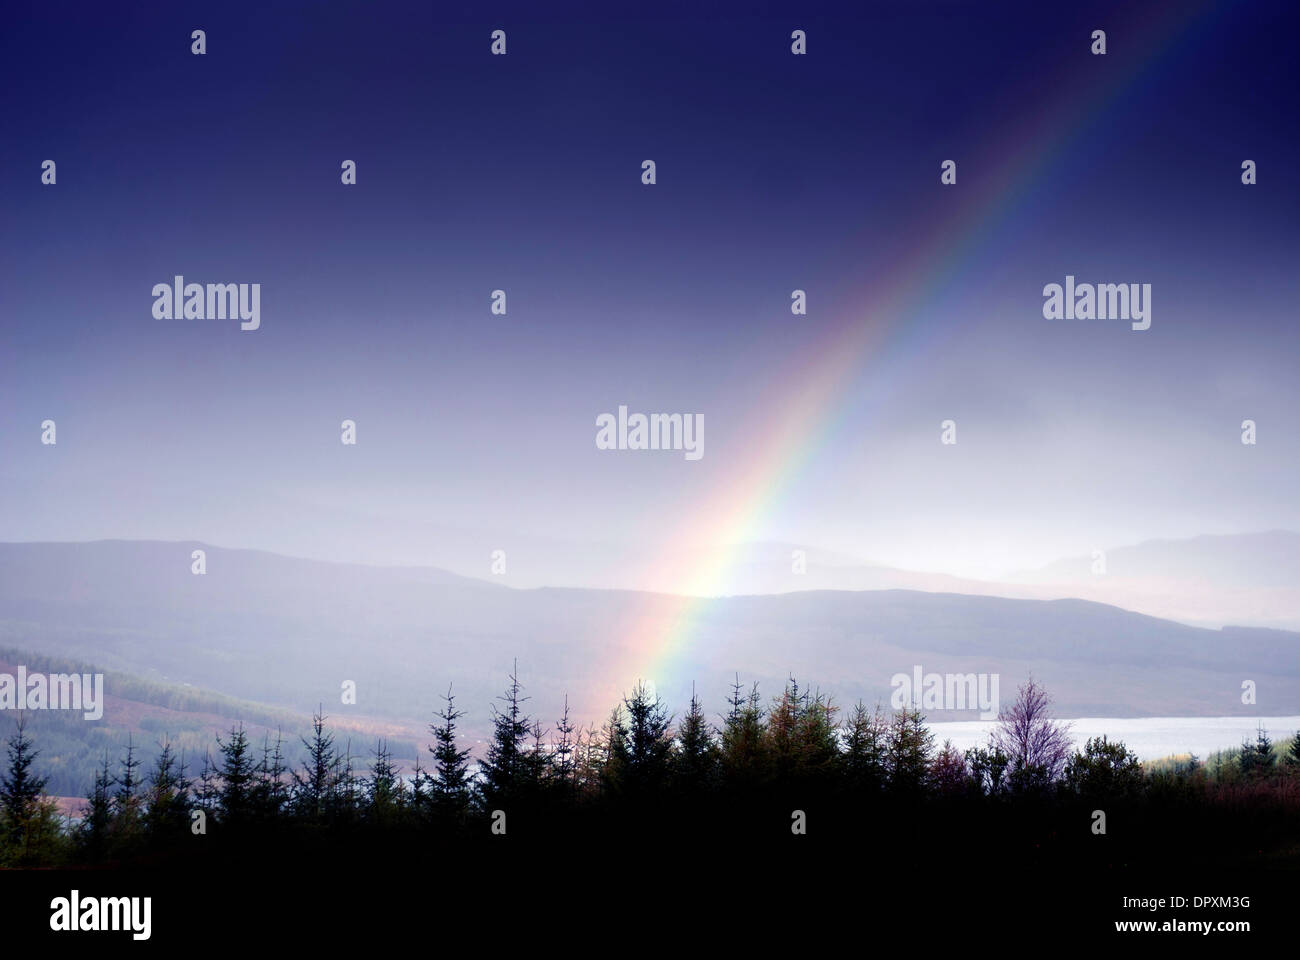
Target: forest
792 768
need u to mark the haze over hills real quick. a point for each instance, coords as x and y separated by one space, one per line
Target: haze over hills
1248 579
287 632
1240 579
146 713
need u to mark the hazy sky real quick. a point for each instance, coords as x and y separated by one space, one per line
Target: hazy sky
523 172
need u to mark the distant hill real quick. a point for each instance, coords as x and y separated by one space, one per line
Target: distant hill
144 713
1249 579
1270 559
288 632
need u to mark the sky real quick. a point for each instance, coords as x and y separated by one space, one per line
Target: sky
774 172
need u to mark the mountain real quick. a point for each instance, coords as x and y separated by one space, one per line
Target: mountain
1250 579
289 632
1240 579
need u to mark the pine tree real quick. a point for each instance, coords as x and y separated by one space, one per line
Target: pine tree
648 744
589 761
537 762
420 789
744 755
863 760
818 735
502 770
1293 754
907 754
205 797
166 801
450 783
610 752
234 796
563 771
344 797
1264 748
737 703
21 791
383 788
313 788
1256 759
126 802
784 722
270 792
695 761
93 830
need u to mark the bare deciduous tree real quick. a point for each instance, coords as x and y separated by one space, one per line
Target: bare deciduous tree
1036 746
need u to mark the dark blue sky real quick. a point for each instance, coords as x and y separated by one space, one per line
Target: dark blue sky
522 172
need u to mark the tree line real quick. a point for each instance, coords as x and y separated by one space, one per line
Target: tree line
762 765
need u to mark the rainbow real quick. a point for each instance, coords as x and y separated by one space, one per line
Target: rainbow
815 399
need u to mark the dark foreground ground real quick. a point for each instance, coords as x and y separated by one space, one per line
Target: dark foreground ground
636 883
